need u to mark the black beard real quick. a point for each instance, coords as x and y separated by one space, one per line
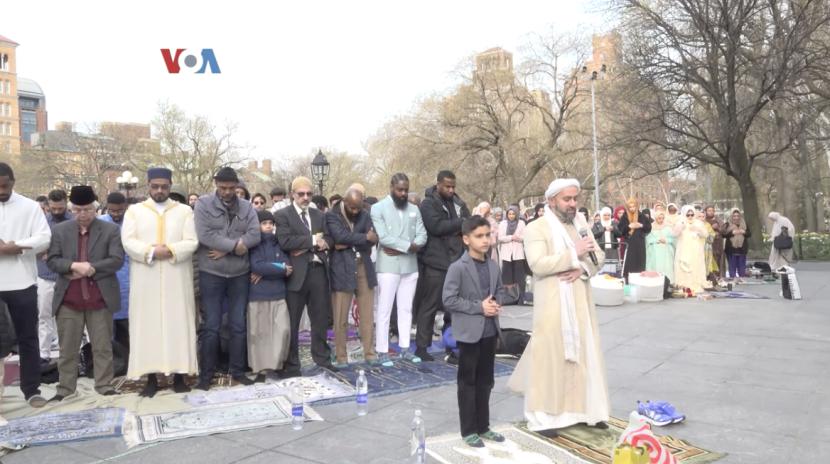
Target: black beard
567 217
400 203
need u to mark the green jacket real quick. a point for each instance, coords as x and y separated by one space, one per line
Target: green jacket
398 229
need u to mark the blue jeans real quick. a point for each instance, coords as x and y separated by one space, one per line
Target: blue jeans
215 289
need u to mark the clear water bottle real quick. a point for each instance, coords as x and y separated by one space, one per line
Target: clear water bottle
418 440
297 400
362 393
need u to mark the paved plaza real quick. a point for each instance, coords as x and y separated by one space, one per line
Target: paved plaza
752 376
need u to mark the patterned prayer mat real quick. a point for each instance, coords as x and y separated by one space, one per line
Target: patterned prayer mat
208 420
741 295
321 387
47 429
519 447
406 376
595 446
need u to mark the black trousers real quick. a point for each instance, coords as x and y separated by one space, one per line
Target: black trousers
120 346
316 295
515 272
23 310
475 381
431 285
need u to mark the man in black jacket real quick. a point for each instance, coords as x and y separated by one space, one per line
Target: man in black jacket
443 212
352 272
302 233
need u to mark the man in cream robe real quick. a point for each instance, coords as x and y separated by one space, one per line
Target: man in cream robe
562 372
160 237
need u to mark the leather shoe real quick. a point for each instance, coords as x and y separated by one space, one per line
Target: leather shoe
329 366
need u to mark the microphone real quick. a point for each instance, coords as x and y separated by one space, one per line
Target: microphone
584 233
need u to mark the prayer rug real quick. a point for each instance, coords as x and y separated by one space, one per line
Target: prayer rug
321 387
47 429
209 420
519 447
736 294
406 376
595 445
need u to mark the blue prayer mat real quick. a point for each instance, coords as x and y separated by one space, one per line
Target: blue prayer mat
64 427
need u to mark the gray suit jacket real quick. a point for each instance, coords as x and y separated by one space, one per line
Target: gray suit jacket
105 254
462 297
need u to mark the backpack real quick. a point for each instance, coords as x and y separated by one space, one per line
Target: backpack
783 241
512 342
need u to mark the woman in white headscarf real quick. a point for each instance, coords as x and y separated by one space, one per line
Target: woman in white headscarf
779 257
607 233
736 247
672 215
690 257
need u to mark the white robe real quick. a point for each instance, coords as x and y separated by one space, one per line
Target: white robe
162 304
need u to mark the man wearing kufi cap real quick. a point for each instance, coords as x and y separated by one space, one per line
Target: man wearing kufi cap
159 236
562 373
86 253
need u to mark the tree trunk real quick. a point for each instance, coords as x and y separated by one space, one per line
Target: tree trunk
752 215
808 187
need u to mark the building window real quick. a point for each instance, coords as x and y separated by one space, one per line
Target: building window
4 62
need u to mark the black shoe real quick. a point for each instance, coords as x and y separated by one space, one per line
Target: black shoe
548 433
599 425
422 353
203 385
47 365
243 380
451 358
260 378
56 398
109 393
287 374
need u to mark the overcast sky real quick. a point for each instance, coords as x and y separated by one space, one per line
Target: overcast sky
295 75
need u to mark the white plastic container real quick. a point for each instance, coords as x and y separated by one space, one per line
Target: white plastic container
648 288
607 292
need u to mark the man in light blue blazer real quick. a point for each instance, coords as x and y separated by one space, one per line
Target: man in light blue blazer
401 234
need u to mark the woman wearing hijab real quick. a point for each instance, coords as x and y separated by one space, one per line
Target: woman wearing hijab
512 252
736 234
660 247
712 269
607 233
672 214
690 259
634 226
780 257
619 212
584 212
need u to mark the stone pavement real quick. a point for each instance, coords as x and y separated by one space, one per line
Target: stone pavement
751 375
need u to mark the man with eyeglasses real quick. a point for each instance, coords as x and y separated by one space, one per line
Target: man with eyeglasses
302 232
227 227
86 253
24 233
159 236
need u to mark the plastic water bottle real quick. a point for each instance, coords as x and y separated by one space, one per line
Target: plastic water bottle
362 393
418 440
297 400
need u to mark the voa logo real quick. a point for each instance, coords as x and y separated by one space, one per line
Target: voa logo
191 60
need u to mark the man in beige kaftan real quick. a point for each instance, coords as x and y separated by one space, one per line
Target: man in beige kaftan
562 372
160 237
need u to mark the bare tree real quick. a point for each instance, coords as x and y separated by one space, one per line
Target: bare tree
193 147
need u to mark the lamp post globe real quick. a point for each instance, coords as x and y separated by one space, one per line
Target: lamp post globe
320 169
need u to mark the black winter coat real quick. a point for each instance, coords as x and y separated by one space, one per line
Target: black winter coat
444 243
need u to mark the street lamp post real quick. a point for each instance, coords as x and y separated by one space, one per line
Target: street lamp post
594 133
320 169
127 181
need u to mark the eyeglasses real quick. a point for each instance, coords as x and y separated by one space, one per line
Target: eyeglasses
303 194
690 214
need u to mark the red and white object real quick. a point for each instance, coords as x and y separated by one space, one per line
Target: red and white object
638 433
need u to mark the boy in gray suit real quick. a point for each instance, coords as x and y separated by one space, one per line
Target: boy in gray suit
473 293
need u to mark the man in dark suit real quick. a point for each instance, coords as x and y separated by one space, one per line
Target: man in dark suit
86 253
302 232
